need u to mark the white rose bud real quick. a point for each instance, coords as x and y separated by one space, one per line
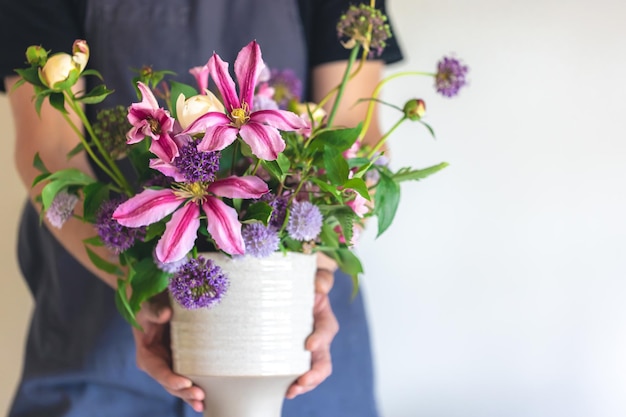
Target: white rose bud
62 67
187 111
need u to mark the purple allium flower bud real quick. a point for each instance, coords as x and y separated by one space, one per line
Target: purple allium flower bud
61 208
199 283
305 221
355 25
450 76
195 165
279 206
260 240
287 86
116 237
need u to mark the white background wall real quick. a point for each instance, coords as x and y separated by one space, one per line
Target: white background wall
500 289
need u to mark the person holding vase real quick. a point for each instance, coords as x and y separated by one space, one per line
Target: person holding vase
82 358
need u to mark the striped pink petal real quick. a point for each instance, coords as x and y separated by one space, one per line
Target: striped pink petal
265 141
248 66
180 234
280 119
165 148
219 72
167 169
217 138
146 208
223 226
239 187
202 123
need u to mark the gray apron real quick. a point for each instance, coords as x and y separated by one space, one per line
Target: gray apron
80 359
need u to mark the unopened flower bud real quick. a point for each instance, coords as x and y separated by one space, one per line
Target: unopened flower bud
36 55
63 67
414 109
187 111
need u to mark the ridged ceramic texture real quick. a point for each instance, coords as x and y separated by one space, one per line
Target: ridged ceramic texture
260 326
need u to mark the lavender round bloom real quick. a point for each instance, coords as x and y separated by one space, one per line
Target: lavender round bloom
450 76
199 283
116 237
195 165
260 240
305 221
61 208
287 86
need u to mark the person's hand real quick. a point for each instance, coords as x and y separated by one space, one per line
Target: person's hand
325 327
154 355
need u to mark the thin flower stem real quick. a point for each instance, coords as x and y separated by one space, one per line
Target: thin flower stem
117 176
342 86
384 138
376 93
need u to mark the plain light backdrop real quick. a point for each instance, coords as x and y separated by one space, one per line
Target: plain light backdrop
499 290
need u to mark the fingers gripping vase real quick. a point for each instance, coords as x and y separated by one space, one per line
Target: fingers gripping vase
247 350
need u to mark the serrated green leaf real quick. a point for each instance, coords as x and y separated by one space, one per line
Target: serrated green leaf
336 166
100 263
358 185
406 174
177 89
57 100
94 195
345 216
123 307
260 211
386 200
146 281
337 139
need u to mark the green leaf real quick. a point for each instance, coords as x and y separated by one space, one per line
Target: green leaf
77 149
61 180
386 200
327 188
57 100
39 178
336 166
100 263
328 236
274 169
154 230
38 163
93 241
93 72
338 139
38 103
260 211
178 89
123 307
406 174
349 263
139 156
283 162
359 186
96 95
30 75
95 194
345 216
146 281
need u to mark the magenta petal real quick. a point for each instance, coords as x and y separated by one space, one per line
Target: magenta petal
217 138
167 169
148 101
202 123
239 187
165 148
265 141
180 234
280 119
201 74
146 208
223 226
136 133
248 66
219 72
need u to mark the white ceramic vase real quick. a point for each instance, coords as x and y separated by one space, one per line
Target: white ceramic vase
247 350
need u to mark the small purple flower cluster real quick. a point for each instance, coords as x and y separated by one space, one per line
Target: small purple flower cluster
287 86
61 208
197 166
450 76
199 283
356 23
260 240
305 221
116 237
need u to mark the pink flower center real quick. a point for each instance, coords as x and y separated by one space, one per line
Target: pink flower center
155 126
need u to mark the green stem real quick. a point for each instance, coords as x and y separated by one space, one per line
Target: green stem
384 138
117 176
353 55
376 93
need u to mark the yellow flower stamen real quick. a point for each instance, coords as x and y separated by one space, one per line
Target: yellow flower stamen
195 191
240 115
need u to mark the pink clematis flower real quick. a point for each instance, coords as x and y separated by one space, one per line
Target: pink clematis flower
259 129
359 205
148 119
186 202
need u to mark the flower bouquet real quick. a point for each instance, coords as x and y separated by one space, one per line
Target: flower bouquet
225 186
